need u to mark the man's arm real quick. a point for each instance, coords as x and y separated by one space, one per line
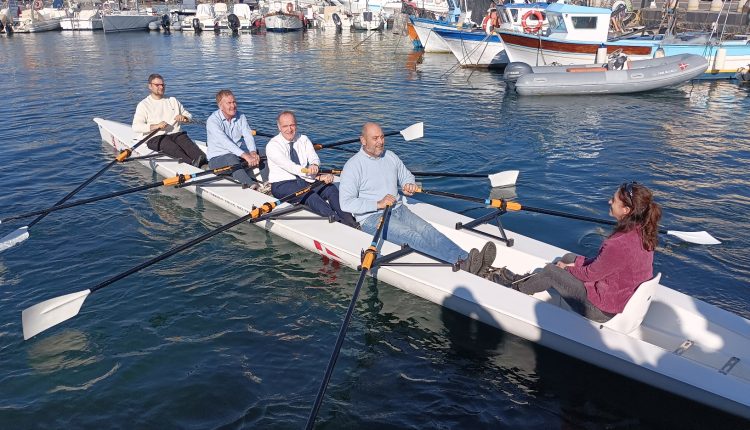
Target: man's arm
247 134
140 123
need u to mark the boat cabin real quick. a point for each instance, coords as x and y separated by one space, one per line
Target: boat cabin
520 16
580 23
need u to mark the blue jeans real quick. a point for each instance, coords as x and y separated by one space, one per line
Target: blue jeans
404 227
244 176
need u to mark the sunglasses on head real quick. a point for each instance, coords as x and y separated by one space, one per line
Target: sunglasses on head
628 188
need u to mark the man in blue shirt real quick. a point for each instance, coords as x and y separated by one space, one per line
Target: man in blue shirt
230 139
371 180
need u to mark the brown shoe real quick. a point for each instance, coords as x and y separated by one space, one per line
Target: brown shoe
472 263
488 254
505 277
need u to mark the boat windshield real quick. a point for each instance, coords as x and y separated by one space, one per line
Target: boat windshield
556 23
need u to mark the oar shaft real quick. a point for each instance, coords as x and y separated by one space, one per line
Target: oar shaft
96 175
574 216
454 196
344 142
369 257
450 175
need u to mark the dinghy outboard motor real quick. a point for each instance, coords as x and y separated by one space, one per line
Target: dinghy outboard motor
337 21
515 70
234 23
197 25
165 23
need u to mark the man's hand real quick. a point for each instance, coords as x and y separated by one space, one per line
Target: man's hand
325 177
313 169
160 126
385 201
410 189
181 118
562 265
252 158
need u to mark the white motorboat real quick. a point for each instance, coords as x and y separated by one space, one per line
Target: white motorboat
38 19
283 20
115 21
84 20
663 338
368 20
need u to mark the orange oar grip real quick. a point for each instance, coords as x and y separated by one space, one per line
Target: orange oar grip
174 180
369 257
513 206
255 132
125 153
318 147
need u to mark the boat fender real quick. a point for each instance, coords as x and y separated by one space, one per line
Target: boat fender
216 27
197 24
336 19
234 22
289 7
165 22
2 24
532 27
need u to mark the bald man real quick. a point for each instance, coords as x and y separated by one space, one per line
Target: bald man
371 180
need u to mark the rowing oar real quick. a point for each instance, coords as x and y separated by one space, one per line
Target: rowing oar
22 233
49 313
699 237
506 178
174 180
414 131
367 259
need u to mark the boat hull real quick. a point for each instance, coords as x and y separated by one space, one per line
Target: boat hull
650 354
644 75
282 22
73 24
474 49
427 38
122 22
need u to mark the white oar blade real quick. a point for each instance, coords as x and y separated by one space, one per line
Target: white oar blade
51 312
14 238
504 179
414 131
699 237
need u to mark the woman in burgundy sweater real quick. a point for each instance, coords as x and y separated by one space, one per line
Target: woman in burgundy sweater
599 287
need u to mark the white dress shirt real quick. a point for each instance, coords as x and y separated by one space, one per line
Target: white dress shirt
280 164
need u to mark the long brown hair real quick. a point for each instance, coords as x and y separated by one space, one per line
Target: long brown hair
643 212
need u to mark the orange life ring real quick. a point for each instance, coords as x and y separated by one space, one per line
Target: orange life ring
529 27
490 22
38 5
289 7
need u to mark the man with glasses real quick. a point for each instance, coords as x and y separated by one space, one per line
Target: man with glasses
157 112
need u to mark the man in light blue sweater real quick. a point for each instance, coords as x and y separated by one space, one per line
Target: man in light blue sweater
371 180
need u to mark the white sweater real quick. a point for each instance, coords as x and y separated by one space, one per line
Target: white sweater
151 111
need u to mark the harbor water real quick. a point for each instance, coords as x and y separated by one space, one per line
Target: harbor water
237 331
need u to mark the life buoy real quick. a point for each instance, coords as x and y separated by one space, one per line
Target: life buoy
38 5
490 22
289 7
532 28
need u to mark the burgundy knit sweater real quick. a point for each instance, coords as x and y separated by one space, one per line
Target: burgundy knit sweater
613 275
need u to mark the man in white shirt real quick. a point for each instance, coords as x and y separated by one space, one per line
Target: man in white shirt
287 154
230 139
166 114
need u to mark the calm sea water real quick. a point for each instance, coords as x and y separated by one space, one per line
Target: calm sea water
236 332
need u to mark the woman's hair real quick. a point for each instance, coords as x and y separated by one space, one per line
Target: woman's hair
643 212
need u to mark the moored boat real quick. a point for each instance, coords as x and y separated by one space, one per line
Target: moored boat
635 76
664 338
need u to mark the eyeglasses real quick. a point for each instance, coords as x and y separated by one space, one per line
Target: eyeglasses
158 85
628 188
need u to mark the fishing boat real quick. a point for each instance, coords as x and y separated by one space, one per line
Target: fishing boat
290 18
38 18
482 49
424 26
83 20
663 338
632 77
115 20
576 33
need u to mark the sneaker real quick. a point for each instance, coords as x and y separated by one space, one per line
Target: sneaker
488 254
472 263
505 277
265 188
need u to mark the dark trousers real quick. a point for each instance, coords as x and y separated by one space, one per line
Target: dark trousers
244 176
571 289
179 146
323 200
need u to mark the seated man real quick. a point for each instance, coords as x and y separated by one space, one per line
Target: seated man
166 113
371 180
288 153
230 139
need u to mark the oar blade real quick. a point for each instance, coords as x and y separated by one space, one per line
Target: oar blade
51 312
14 238
504 179
414 131
699 237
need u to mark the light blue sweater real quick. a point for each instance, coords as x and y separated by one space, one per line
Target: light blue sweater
225 137
366 180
